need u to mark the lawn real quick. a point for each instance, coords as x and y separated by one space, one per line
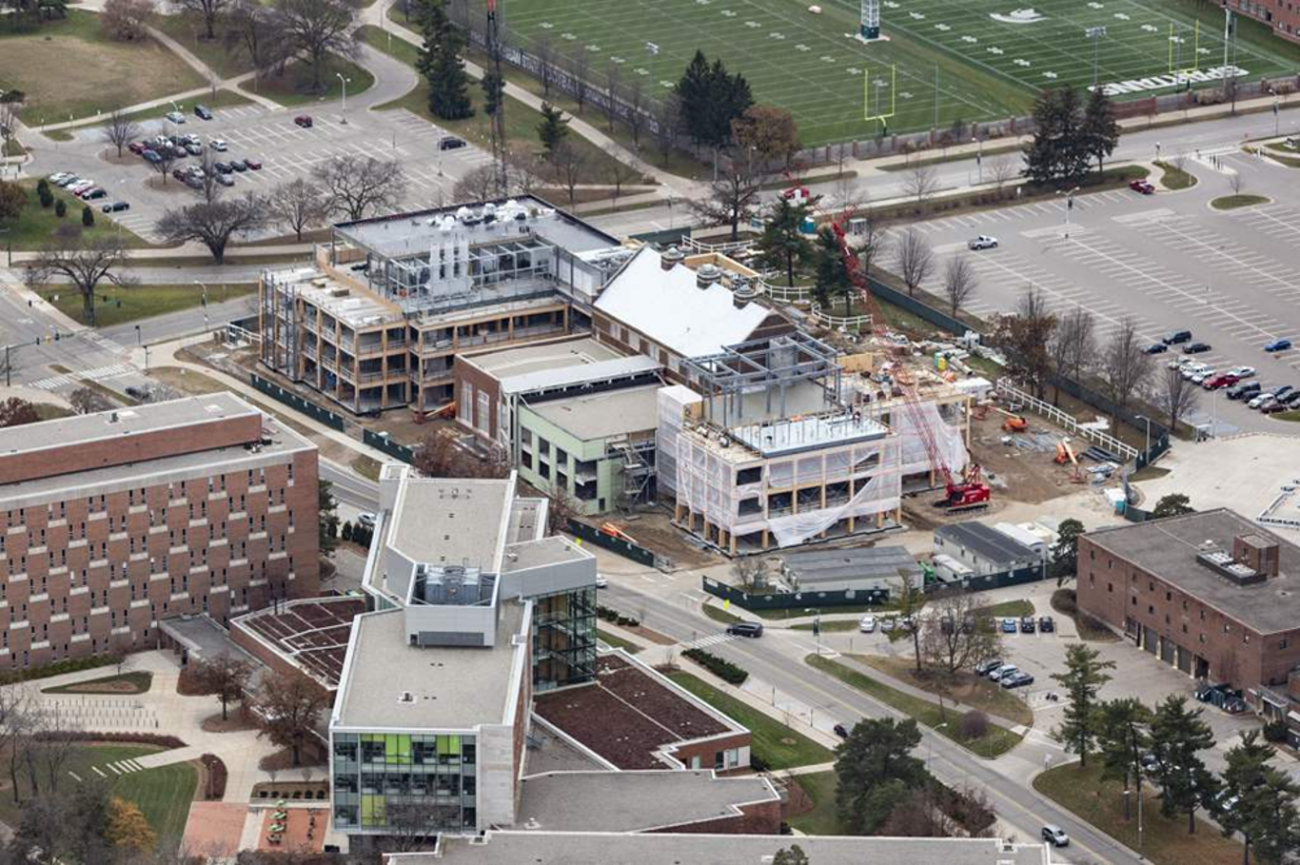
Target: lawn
995 742
153 120
823 819
521 120
36 225
1007 609
1232 202
115 305
774 744
189 31
617 642
295 86
134 682
163 794
943 60
829 627
800 612
366 466
1164 841
967 689
1175 177
98 74
1065 602
717 614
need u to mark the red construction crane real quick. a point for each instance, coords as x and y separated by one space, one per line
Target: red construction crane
968 493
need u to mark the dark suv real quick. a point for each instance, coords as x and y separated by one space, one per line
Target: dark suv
745 629
1245 390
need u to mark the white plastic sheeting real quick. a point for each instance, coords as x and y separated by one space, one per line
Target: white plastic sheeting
673 401
882 493
948 440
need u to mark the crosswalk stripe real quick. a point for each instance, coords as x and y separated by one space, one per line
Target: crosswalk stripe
711 640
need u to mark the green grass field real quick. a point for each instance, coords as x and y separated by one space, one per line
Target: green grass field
944 60
116 305
163 794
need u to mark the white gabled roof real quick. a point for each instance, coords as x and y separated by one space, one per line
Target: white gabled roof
669 309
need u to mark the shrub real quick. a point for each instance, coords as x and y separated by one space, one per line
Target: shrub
974 724
60 208
217 775
159 739
1065 602
1275 731
347 531
58 668
46 197
87 216
720 667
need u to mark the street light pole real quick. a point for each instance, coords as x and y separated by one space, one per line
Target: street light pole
205 304
344 103
1069 206
1095 34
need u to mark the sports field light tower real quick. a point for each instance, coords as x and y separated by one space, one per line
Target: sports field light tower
869 29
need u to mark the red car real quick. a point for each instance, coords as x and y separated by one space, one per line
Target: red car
253 164
303 120
1218 381
1142 186
135 147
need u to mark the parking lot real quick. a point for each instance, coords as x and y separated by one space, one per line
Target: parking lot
1167 261
285 149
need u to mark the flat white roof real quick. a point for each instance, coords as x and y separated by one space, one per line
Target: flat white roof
668 308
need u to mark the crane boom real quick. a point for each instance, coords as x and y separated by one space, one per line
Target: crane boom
970 492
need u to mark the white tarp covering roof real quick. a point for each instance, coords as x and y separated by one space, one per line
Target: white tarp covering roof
668 308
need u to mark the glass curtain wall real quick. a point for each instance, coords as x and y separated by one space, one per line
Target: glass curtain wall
397 781
564 639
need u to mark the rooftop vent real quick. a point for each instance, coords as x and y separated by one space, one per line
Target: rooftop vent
707 275
1224 565
743 294
671 258
407 697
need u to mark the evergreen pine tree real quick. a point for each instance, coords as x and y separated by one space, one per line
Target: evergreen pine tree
553 129
832 274
1177 734
693 92
440 63
1123 739
1236 809
1083 677
87 216
1073 146
1100 128
782 244
1041 159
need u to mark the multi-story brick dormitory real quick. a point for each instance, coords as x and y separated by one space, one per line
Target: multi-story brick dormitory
1211 593
112 522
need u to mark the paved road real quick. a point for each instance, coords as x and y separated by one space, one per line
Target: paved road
186 322
349 488
777 661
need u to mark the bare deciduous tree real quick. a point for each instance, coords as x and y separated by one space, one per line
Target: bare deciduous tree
668 125
522 171
620 173
545 54
479 184
87 400
959 282
568 167
214 223
297 205
358 185
317 28
1127 365
635 95
1073 345
290 706
84 264
1176 396
731 199
579 72
126 20
166 161
225 677
1025 337
253 30
1236 182
613 84
751 572
914 259
921 182
208 10
1001 171
120 130
956 636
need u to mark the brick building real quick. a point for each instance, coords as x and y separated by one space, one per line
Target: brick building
1211 593
112 522
1283 16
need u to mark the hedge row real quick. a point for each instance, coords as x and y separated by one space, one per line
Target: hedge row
611 615
58 668
162 741
217 775
720 667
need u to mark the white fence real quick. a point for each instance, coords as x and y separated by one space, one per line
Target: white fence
1068 421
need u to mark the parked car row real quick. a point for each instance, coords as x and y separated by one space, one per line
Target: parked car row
1007 675
86 190
1027 625
160 147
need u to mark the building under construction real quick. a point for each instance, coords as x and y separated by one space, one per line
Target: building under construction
780 442
377 322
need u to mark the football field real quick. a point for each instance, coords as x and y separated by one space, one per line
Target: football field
941 61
